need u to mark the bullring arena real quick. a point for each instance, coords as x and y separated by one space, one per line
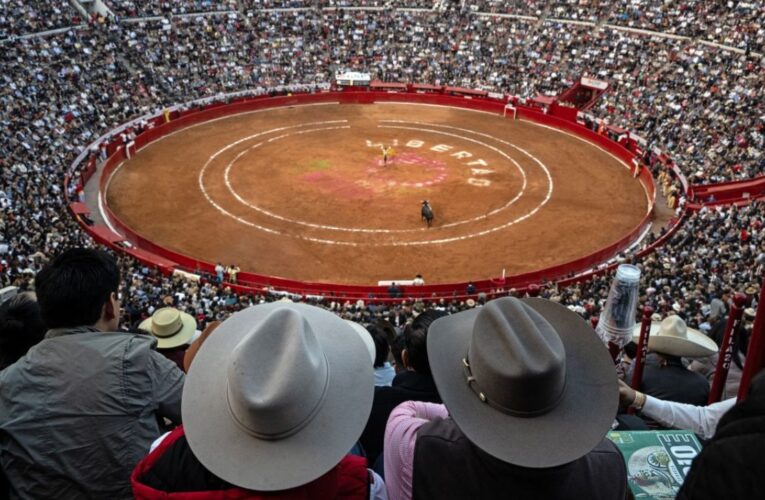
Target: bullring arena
245 185
302 192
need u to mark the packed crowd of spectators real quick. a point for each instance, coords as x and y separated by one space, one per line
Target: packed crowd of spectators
59 93
20 17
138 8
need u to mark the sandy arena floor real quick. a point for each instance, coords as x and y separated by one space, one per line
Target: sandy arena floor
302 193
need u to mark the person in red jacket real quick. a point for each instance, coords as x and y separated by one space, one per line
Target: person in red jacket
273 400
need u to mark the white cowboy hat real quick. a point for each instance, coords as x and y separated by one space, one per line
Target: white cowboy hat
277 396
171 327
674 338
366 337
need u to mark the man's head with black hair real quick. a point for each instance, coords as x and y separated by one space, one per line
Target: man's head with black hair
79 288
21 327
415 354
396 349
382 349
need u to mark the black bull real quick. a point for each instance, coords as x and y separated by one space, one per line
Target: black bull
427 214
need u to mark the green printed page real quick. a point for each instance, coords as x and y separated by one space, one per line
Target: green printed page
657 461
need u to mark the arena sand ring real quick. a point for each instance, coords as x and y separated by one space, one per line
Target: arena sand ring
302 193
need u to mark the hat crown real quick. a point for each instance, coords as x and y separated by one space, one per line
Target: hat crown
277 376
673 326
517 359
166 322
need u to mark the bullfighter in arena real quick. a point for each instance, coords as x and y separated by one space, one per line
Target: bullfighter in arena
387 152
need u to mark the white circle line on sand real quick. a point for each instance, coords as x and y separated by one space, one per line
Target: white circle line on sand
518 148
349 243
230 187
624 164
496 150
231 145
370 230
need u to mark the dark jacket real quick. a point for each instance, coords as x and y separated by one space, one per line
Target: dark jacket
406 386
448 466
731 465
674 382
172 471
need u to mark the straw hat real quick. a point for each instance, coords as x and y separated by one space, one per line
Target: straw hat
171 327
674 338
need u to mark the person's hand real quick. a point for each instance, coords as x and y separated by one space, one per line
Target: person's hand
626 395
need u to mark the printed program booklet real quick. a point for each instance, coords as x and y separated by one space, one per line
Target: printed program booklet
657 461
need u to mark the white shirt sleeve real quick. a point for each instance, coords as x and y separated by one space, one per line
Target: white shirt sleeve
158 441
700 419
377 489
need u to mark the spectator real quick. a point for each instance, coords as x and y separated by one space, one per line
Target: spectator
174 331
730 466
664 374
700 419
384 371
21 327
233 272
534 372
278 416
85 401
739 341
413 383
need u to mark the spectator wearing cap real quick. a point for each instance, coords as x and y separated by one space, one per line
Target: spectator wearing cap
173 329
274 399
79 410
21 327
664 375
414 383
530 393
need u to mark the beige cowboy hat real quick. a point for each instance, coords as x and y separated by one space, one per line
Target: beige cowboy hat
171 327
277 396
674 338
526 380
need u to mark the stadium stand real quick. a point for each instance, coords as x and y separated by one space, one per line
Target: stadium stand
689 82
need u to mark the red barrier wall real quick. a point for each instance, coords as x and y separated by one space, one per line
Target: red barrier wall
726 193
363 96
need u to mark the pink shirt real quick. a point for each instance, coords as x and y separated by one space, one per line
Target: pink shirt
400 434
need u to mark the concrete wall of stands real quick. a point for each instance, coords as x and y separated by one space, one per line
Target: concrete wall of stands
167 260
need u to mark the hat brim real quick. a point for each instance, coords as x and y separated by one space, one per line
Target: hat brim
569 431
179 339
232 454
695 345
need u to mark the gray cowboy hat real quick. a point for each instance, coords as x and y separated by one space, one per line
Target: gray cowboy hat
526 380
277 396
